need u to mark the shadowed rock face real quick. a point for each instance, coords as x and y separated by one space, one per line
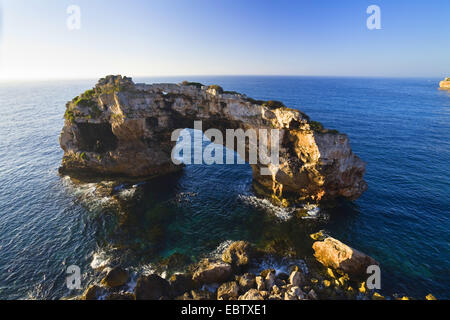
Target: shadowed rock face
124 129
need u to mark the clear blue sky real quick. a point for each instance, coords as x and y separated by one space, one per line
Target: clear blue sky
228 37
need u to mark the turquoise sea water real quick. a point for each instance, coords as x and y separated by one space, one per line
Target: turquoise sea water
400 127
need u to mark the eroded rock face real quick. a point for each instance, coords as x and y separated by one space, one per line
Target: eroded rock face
238 254
212 272
124 129
339 256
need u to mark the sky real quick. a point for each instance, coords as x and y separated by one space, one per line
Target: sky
227 37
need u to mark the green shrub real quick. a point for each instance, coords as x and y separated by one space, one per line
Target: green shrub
195 84
83 156
447 79
68 115
273 104
231 92
258 102
316 126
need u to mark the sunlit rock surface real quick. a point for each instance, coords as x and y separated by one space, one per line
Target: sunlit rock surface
120 128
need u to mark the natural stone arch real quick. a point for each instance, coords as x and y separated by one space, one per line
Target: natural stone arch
124 129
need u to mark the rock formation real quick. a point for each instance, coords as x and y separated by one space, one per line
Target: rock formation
445 84
124 129
212 279
337 255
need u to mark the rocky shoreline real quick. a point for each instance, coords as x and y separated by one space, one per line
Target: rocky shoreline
229 278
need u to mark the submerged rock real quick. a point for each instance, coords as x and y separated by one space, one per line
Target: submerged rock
337 255
120 128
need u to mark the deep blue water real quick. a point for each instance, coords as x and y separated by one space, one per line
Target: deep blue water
400 127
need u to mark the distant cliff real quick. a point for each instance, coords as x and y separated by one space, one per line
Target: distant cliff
445 84
120 128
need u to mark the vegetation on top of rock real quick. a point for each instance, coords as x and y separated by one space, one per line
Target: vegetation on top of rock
68 115
447 79
195 84
274 104
216 87
230 92
318 127
111 84
258 102
271 104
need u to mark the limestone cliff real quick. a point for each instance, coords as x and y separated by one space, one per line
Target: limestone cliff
445 84
120 128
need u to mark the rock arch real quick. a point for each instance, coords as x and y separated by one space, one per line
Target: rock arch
120 128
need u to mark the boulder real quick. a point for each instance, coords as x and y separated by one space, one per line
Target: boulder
185 296
252 294
120 296
91 293
152 287
247 281
297 292
265 272
181 283
296 279
228 290
116 277
337 255
260 283
270 280
202 295
212 272
238 254
312 295
283 276
430 297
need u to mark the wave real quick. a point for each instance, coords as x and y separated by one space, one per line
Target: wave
280 212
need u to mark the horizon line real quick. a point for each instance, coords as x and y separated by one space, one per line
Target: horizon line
5 80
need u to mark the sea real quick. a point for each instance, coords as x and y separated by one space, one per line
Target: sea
399 126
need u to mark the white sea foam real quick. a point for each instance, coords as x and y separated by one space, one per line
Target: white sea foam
281 212
313 212
279 265
100 260
128 193
217 253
